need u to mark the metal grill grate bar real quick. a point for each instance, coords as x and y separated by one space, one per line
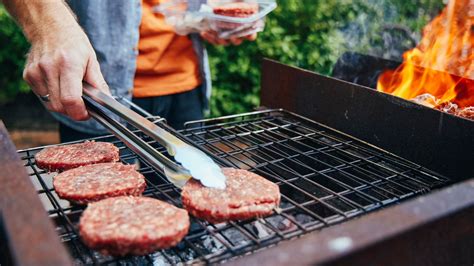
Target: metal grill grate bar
325 177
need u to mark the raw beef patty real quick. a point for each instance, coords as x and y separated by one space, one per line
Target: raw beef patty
98 181
132 225
64 157
247 195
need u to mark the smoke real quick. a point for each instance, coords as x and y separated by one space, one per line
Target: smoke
382 29
386 28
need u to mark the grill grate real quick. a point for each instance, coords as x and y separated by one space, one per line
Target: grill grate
325 177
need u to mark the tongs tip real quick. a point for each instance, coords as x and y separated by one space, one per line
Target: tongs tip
200 166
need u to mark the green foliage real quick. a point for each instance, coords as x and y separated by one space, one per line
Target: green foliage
306 33
312 35
12 57
299 32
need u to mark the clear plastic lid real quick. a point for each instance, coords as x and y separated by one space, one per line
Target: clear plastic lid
229 18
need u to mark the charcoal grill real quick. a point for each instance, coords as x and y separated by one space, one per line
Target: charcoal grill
326 177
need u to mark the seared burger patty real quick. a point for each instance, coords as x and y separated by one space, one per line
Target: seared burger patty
247 195
64 157
132 225
98 181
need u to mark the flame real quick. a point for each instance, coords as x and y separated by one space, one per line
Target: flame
442 63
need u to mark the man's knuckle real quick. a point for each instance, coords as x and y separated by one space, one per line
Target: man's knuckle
30 74
68 60
81 116
29 68
63 58
45 66
70 100
27 76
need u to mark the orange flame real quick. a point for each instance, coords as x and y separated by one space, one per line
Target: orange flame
443 62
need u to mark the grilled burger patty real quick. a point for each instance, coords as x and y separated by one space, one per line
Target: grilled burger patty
247 195
64 157
98 181
132 225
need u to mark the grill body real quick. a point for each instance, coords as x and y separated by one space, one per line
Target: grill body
326 177
434 139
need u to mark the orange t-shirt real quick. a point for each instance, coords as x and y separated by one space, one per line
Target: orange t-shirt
166 62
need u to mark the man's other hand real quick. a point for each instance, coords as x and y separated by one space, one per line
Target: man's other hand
213 38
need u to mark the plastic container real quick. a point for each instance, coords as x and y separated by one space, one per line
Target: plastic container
228 18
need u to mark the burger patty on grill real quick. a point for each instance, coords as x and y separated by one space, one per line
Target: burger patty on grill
64 157
98 181
247 195
132 225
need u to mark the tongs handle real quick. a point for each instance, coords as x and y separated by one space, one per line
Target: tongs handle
157 133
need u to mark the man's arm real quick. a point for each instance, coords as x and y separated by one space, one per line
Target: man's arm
61 56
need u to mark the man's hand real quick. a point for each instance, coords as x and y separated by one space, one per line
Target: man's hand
212 38
61 56
57 65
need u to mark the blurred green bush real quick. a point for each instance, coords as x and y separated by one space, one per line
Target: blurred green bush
306 33
12 58
312 35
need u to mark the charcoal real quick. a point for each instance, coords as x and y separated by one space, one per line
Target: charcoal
426 99
448 107
467 112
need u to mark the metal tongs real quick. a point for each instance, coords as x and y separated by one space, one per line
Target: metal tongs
193 162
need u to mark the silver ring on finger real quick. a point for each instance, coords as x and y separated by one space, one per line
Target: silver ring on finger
44 98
